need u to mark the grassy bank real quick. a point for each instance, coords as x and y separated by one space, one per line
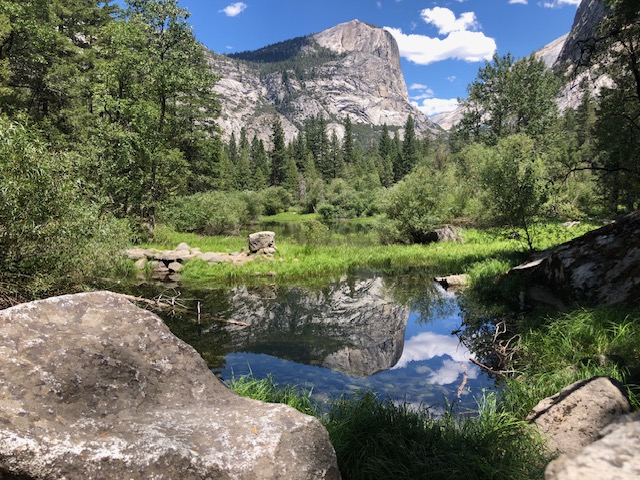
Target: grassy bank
376 438
316 253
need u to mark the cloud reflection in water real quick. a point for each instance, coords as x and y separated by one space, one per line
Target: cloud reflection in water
428 346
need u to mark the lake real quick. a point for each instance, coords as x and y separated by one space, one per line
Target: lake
396 335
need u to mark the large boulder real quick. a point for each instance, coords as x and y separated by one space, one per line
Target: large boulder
614 455
262 242
574 417
601 267
92 386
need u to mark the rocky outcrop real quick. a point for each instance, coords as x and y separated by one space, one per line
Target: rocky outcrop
358 76
573 418
613 456
351 326
582 34
601 267
94 387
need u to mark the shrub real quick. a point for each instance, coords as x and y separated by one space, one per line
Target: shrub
212 213
414 207
275 200
51 236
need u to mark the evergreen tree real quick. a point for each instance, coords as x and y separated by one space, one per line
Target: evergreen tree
278 153
385 157
348 148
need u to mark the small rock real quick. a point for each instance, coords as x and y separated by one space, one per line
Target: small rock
212 257
183 247
175 266
570 224
141 263
453 281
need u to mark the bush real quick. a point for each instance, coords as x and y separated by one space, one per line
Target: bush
51 237
275 200
212 213
414 207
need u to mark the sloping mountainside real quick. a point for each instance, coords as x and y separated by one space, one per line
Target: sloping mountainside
351 69
563 54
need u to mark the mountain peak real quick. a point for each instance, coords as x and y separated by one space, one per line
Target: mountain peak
357 36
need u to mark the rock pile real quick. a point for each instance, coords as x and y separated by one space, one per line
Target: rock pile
165 265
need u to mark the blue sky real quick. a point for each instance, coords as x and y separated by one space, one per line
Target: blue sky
442 42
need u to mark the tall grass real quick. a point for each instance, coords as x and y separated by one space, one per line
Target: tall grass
555 351
376 438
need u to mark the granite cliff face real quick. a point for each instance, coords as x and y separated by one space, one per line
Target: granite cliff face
351 69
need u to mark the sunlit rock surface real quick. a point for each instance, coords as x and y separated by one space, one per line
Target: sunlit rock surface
93 387
601 267
363 81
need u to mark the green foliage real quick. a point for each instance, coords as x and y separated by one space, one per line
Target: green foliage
556 351
512 175
212 213
267 390
510 97
48 230
380 439
275 200
414 207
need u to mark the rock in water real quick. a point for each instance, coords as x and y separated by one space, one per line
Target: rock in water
573 418
92 386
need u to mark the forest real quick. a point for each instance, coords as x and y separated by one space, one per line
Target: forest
106 130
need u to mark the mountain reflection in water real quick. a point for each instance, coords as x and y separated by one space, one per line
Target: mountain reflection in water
391 335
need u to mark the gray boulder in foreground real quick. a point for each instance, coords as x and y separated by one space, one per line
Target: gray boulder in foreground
93 387
614 456
574 417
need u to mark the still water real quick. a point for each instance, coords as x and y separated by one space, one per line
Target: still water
394 335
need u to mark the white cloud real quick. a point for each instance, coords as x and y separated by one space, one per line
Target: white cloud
560 3
434 106
461 45
446 22
379 4
234 9
521 2
452 78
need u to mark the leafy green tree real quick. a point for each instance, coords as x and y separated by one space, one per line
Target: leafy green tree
512 175
509 97
51 236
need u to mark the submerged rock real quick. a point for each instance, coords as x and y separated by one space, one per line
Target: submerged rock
92 386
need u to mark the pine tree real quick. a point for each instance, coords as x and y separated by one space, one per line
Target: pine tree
278 153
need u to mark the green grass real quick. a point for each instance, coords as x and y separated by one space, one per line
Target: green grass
484 252
558 350
376 438
267 390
